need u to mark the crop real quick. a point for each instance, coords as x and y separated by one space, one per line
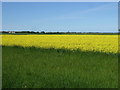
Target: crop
59 61
56 68
101 43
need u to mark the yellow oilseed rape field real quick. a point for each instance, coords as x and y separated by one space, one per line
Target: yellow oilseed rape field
101 43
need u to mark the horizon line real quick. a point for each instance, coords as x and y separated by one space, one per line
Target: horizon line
60 31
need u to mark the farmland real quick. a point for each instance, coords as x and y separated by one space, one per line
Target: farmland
60 61
101 43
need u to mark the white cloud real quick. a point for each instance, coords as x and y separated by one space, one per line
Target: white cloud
103 7
80 14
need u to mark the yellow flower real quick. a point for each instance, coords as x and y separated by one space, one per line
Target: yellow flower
101 43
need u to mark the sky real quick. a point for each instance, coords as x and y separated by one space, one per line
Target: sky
60 0
60 16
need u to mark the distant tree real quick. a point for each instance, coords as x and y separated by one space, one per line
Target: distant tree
42 32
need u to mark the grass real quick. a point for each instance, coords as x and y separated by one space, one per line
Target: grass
0 67
56 68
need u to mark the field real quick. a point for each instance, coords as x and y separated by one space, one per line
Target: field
60 61
101 43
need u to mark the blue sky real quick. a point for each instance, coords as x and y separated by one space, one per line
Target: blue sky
61 16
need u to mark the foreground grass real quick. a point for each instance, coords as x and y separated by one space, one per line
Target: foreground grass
57 68
0 67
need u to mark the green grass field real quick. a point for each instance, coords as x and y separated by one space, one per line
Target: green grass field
57 68
0 67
